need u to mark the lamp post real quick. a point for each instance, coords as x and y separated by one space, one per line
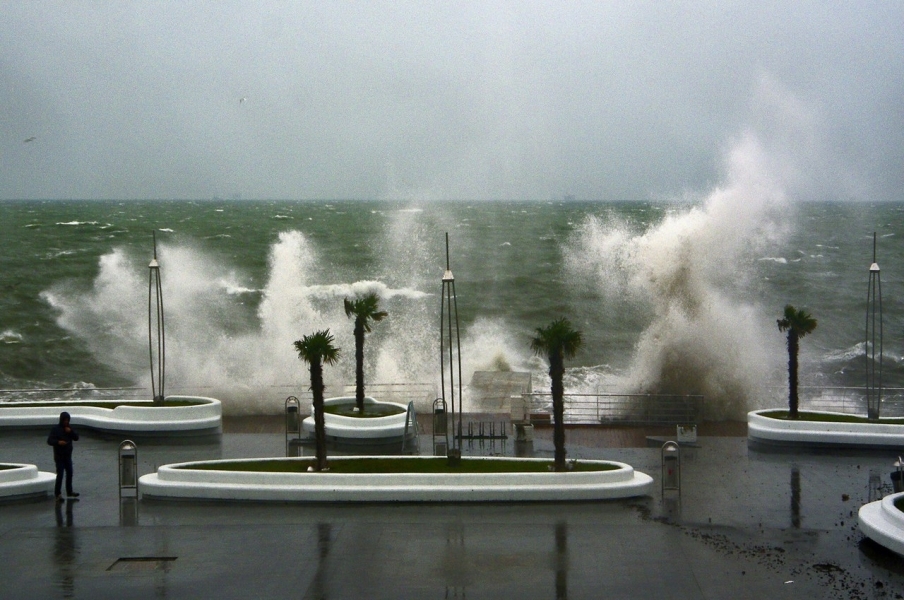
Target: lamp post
449 304
155 317
873 349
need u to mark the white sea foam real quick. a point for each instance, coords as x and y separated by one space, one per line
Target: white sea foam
847 354
11 337
359 288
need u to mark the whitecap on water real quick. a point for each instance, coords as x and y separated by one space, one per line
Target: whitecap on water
11 337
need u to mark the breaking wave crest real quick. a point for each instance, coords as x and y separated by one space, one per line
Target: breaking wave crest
693 270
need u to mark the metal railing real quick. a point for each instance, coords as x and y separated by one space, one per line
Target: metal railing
618 409
422 394
849 400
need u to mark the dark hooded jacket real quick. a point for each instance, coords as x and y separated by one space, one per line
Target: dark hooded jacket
62 452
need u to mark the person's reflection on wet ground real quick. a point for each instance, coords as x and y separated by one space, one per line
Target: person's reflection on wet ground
65 549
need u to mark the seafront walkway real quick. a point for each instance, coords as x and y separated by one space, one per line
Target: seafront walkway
746 524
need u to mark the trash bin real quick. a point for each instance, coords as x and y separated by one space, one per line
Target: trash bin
897 483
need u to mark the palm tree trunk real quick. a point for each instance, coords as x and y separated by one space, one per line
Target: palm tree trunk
556 373
793 400
359 365
319 423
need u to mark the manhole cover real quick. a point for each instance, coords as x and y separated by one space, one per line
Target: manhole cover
142 564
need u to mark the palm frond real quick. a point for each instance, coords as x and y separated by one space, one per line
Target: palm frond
797 320
317 346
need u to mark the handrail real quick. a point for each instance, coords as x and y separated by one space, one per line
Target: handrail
410 416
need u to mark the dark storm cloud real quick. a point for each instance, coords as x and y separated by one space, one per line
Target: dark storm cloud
445 100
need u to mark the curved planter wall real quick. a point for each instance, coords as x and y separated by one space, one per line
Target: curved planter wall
181 481
205 417
767 430
24 481
883 523
372 428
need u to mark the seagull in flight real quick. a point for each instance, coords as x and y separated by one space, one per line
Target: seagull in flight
31 139
242 100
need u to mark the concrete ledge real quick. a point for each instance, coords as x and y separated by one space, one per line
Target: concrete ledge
767 430
24 481
206 417
183 482
883 523
339 426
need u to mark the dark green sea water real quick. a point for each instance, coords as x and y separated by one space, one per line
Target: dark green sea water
679 298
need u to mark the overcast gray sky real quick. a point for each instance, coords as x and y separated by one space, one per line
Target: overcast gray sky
445 100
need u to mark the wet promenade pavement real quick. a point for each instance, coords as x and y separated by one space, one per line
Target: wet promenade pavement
748 524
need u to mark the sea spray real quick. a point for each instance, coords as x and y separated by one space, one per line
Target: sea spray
693 271
229 339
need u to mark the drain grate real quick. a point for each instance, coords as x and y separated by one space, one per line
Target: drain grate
132 564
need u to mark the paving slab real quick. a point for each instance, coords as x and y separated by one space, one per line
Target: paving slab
746 524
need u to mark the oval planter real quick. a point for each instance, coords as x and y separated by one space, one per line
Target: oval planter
882 522
19 481
766 430
368 429
181 481
204 417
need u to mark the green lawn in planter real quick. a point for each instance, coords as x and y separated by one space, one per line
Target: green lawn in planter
391 465
100 403
7 467
370 410
827 418
899 503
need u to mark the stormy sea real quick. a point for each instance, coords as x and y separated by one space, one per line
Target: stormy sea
674 297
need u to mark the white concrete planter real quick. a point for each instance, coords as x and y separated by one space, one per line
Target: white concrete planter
181 481
204 417
24 481
883 523
355 428
787 432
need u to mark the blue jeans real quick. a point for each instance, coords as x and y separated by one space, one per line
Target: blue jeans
63 465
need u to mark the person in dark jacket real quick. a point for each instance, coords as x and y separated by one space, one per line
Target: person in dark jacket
61 438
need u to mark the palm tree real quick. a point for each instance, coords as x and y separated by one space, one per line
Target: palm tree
316 349
365 309
797 323
557 341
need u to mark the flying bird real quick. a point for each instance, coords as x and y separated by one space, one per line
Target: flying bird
242 100
31 139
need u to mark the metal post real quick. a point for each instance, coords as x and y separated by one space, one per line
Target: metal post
128 467
440 428
671 467
897 476
293 423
